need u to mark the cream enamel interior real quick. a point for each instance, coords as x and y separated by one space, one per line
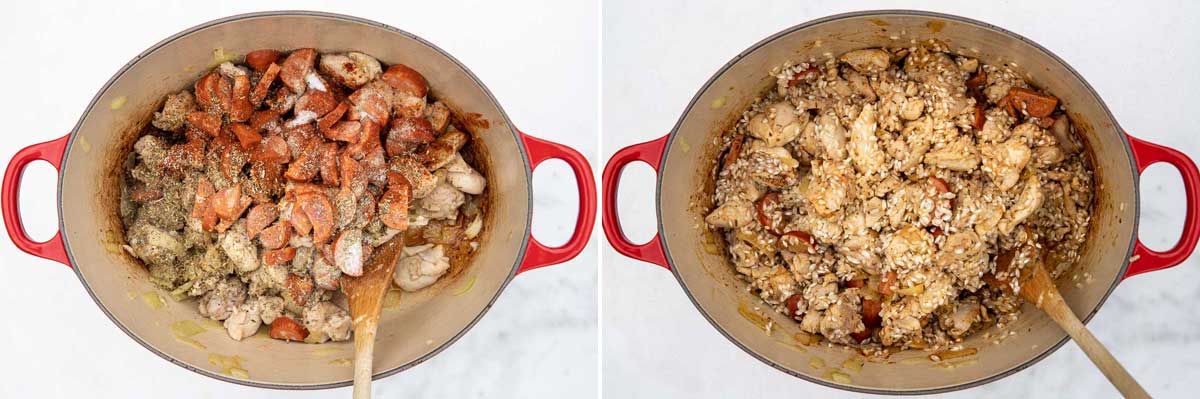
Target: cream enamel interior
420 326
716 291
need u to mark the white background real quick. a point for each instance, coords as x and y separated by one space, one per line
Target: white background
538 58
1141 57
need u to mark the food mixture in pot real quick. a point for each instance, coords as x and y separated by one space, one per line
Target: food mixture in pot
882 197
258 188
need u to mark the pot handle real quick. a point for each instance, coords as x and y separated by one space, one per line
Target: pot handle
651 153
1145 259
536 254
52 152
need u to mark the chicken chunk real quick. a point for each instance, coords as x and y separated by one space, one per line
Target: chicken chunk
912 109
154 245
327 322
174 111
777 125
352 69
959 319
959 155
1026 203
832 137
867 60
909 248
244 321
842 318
865 151
421 266
463 177
831 187
267 279
732 214
239 248
1003 162
442 202
220 302
270 308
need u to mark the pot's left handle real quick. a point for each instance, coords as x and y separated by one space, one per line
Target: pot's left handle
1148 260
52 152
537 254
651 153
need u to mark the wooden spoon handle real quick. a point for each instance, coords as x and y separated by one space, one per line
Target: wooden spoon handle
364 353
1059 311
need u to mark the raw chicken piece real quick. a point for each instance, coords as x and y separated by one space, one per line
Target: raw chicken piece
421 266
152 150
267 279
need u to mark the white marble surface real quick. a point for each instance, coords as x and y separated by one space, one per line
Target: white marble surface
540 338
1142 60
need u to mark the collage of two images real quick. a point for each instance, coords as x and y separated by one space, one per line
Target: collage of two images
600 199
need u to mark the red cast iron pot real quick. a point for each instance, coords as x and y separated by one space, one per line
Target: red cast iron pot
424 324
685 158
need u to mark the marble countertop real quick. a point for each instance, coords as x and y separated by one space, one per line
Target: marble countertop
539 339
657 54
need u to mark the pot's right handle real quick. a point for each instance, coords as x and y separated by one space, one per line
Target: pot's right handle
537 254
651 153
1146 259
52 152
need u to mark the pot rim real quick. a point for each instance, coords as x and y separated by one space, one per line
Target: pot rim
662 232
524 240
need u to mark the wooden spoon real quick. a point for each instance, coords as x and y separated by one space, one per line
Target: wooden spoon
365 295
1038 289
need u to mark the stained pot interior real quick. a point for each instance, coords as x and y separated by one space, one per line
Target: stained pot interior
410 332
711 281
